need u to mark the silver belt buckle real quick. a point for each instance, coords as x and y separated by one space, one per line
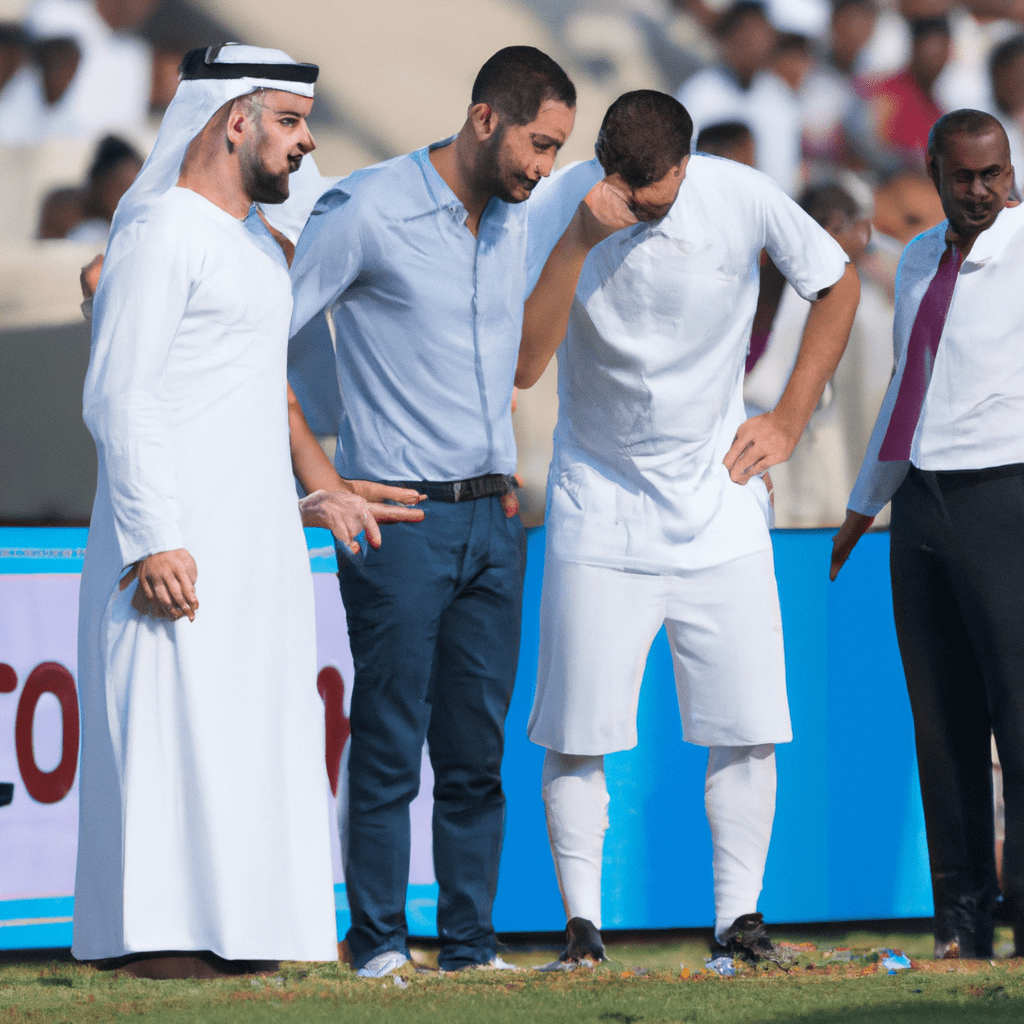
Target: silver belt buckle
457 490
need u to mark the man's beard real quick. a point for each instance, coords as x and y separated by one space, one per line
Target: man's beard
261 184
492 178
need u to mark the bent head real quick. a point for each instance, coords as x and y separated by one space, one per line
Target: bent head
268 130
523 110
644 146
969 164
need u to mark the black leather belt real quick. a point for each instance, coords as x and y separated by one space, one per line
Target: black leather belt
951 479
463 490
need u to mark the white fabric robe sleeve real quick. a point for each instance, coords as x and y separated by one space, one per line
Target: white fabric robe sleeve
139 305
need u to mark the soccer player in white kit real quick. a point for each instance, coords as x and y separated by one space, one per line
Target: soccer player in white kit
658 512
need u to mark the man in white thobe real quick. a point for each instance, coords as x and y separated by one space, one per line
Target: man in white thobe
204 831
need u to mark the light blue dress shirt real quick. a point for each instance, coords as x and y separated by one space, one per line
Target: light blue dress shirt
427 321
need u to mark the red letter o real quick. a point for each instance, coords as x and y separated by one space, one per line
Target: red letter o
47 787
331 687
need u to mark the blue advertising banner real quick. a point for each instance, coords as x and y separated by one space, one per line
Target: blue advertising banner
849 834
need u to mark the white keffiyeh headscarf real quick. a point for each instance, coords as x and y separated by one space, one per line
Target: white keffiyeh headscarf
209 79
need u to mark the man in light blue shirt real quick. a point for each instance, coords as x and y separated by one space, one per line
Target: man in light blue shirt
421 264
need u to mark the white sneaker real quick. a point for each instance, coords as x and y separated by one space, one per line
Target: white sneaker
383 963
496 964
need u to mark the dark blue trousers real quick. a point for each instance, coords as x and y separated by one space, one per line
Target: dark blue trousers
433 617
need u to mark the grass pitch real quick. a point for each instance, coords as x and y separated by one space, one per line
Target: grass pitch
836 978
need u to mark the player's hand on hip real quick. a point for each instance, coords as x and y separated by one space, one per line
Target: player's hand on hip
604 211
166 587
760 443
347 515
854 527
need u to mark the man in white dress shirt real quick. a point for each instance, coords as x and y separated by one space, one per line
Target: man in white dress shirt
203 832
657 510
948 449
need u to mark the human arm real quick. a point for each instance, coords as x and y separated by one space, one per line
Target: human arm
766 440
345 507
855 525
328 257
546 315
139 305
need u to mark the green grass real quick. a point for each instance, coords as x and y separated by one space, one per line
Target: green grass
643 983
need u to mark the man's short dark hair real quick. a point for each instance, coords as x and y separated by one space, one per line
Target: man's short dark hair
644 134
839 5
723 137
960 122
1006 52
824 200
109 153
921 27
732 18
517 80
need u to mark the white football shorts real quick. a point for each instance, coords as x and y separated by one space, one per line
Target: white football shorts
597 624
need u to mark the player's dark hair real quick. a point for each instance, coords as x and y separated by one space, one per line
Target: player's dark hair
823 200
960 122
722 138
644 134
109 153
517 80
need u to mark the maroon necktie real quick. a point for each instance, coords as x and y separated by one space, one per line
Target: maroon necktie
921 349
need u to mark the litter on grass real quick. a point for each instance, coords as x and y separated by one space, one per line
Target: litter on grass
894 961
722 965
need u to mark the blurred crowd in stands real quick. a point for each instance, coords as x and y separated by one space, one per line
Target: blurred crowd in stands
831 98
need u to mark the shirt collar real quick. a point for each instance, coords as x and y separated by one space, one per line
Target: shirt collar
993 240
437 188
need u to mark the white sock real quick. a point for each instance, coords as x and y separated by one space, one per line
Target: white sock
576 804
739 798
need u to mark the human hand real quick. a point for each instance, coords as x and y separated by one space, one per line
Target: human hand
89 279
760 443
604 211
372 491
510 501
347 515
166 587
855 525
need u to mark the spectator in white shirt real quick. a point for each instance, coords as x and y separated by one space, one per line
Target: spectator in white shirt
742 88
